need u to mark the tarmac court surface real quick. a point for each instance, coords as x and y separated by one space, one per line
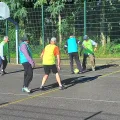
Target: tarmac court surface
94 95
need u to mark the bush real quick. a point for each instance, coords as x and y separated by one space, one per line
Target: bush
110 50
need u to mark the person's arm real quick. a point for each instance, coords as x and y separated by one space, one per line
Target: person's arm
1 51
95 48
57 54
78 42
58 60
81 47
24 50
81 50
95 44
65 46
41 56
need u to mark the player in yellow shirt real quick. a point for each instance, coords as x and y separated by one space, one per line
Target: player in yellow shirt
48 56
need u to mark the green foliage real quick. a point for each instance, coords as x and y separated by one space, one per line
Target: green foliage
39 3
21 13
36 50
17 8
100 16
117 40
115 49
110 50
55 8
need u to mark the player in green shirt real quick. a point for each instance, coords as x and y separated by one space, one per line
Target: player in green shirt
88 51
3 54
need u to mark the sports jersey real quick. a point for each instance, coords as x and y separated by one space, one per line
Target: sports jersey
49 54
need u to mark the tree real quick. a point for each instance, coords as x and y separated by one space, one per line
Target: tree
55 7
17 8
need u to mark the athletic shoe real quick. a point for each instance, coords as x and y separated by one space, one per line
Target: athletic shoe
2 73
25 89
93 68
61 87
42 88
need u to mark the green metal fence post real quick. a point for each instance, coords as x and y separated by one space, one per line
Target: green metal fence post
43 42
8 45
84 17
17 37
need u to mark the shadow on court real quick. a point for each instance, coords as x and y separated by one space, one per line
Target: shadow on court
4 103
103 67
97 68
21 70
82 79
69 82
106 66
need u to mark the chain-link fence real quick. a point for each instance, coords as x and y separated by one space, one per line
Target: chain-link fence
102 18
2 29
102 23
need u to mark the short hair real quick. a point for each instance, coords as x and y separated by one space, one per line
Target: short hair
53 39
24 39
85 37
5 37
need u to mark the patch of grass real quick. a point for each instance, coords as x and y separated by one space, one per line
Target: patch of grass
108 51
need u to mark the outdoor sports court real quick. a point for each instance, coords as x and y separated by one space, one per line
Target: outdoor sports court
88 96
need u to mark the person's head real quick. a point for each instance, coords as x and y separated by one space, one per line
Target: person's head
5 39
85 37
53 40
71 35
25 39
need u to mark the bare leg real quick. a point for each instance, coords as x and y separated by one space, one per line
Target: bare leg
92 59
44 79
58 79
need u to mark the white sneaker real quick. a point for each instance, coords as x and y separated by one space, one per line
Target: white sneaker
93 68
25 89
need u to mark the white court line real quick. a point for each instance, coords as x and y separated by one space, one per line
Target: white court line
91 100
15 94
65 98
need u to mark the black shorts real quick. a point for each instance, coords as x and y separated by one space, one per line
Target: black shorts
48 68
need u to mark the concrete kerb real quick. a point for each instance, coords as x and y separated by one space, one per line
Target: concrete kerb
99 61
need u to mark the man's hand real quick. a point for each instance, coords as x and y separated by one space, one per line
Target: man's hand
33 65
58 67
95 49
41 57
3 58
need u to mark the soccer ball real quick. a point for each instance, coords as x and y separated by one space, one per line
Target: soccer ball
76 70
